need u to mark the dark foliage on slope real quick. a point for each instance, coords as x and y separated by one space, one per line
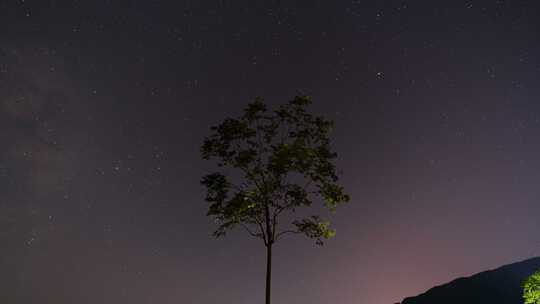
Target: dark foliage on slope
498 286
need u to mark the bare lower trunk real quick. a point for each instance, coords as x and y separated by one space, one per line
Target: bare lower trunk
268 271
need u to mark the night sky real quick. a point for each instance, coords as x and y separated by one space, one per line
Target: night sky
104 105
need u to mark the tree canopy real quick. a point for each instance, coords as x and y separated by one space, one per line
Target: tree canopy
284 160
531 289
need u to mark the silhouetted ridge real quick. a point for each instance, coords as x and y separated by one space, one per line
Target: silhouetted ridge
497 286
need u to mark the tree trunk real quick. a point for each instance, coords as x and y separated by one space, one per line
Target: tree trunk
268 271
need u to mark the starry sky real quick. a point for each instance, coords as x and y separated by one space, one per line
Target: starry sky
104 105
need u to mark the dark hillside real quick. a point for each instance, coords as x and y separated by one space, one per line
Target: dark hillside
501 286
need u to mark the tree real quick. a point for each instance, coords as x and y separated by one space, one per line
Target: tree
531 289
284 161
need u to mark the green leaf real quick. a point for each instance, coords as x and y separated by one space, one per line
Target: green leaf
531 289
315 228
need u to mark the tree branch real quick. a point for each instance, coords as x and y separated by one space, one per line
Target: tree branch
274 223
287 231
249 231
262 231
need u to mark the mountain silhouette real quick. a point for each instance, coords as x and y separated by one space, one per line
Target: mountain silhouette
501 286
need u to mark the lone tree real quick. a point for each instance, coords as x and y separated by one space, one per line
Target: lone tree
531 289
283 160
